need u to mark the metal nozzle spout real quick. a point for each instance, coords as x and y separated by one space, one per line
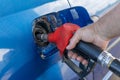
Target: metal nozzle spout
42 37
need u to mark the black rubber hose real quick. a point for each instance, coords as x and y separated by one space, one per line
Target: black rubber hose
115 67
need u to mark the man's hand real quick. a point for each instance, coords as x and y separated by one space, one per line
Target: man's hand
99 33
87 34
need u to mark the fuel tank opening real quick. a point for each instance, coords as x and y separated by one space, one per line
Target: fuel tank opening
40 27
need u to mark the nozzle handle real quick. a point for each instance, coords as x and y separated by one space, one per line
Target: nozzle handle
88 49
100 56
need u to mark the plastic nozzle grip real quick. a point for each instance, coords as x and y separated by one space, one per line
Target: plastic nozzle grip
62 35
90 50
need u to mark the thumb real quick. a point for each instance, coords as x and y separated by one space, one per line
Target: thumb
74 40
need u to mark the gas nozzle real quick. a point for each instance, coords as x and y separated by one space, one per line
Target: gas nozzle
87 50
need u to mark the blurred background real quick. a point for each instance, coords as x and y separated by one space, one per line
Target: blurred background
18 56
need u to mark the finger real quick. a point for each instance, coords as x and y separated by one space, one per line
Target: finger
84 62
70 53
74 56
79 58
74 40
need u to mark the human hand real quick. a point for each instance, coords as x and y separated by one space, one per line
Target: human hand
87 34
